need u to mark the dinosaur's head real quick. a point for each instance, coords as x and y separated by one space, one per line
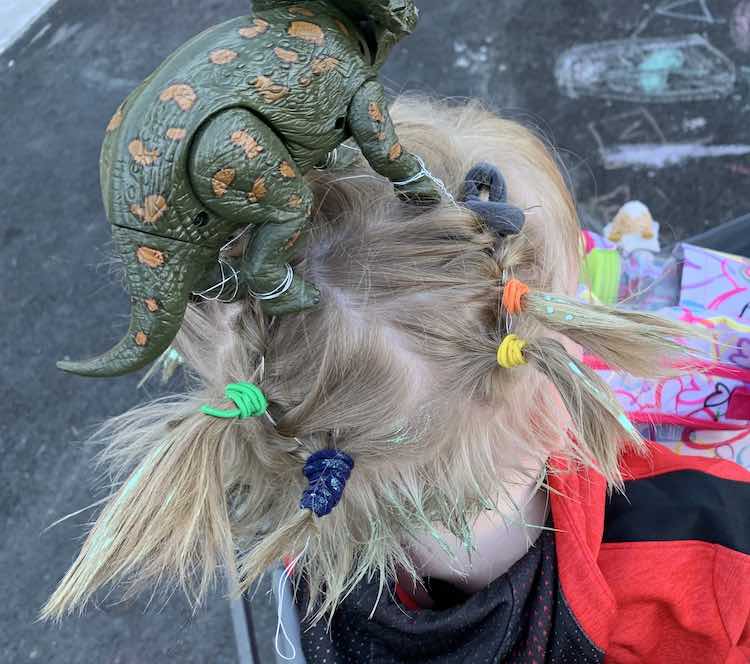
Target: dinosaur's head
383 23
399 16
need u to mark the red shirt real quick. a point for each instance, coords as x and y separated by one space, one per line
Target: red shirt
664 575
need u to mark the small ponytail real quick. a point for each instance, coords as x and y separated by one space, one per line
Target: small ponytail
168 521
174 520
638 343
597 417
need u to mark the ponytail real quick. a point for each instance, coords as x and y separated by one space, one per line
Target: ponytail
638 343
168 521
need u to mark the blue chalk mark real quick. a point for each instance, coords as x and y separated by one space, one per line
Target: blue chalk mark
550 310
626 424
576 370
655 69
568 317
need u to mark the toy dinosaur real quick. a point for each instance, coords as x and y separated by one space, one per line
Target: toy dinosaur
219 137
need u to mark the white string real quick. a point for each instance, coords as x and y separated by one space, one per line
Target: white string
506 313
221 284
273 422
425 172
280 604
234 239
282 288
224 278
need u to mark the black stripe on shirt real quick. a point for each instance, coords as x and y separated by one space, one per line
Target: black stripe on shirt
681 505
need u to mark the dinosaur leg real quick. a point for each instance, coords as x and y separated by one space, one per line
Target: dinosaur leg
244 174
373 129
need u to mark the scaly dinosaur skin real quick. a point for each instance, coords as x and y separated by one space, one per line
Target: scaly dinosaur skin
219 137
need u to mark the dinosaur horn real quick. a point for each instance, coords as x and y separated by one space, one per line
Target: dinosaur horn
160 273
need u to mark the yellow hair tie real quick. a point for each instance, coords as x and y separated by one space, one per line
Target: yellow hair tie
510 352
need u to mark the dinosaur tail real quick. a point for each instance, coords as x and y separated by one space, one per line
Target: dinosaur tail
160 273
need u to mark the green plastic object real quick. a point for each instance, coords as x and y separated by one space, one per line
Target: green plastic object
220 137
601 271
249 399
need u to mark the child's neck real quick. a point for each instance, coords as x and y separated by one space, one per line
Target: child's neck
500 541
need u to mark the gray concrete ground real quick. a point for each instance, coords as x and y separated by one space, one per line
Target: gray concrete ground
58 87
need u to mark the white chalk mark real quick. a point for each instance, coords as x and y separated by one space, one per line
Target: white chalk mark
16 16
658 155
637 126
63 34
694 124
41 33
651 70
701 11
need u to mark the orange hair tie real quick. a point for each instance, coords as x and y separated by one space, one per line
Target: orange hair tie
513 291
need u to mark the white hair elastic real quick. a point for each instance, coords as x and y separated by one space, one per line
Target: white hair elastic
425 172
224 279
282 288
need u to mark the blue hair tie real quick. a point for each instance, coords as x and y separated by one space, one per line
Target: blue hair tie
496 212
326 472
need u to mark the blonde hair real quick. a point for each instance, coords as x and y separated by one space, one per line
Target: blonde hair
397 368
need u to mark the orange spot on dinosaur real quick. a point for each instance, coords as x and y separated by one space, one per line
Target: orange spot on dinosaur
304 11
258 28
304 81
175 133
395 151
222 56
152 210
251 147
151 304
140 338
269 90
322 65
116 120
286 56
285 168
221 180
258 192
380 135
150 257
182 95
310 32
141 154
295 200
373 110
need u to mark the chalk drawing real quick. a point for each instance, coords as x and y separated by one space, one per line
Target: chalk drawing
649 70
689 10
740 28
660 155
637 126
694 124
656 68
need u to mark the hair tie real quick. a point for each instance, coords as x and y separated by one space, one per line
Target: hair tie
513 291
510 352
496 212
326 472
248 398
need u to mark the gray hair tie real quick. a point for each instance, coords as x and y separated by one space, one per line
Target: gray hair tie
496 212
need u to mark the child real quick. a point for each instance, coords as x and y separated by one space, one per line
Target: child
451 483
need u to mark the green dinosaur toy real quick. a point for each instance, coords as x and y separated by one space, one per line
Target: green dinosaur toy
219 137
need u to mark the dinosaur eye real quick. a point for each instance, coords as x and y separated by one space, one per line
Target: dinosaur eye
200 219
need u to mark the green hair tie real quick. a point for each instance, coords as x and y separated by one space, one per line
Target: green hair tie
249 399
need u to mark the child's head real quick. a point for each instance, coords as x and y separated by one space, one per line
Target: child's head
397 368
